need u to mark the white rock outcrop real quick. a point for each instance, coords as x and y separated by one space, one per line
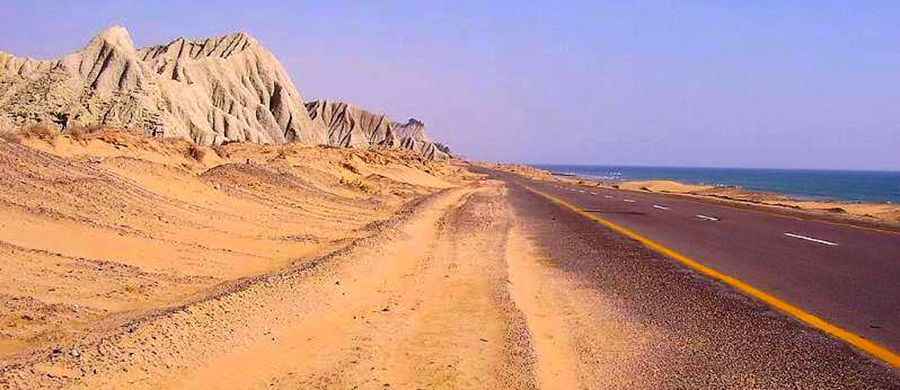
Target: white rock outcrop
350 126
228 88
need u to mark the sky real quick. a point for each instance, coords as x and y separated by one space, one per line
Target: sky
769 84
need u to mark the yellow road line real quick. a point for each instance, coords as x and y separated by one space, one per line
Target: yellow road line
874 349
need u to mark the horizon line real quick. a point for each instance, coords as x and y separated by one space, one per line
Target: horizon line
897 170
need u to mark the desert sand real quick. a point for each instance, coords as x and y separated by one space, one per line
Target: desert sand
145 263
108 227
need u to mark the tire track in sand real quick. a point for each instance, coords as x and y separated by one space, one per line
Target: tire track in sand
430 308
448 323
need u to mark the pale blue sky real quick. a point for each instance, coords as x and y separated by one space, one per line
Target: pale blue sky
812 84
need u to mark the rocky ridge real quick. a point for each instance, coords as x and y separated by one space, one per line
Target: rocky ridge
212 91
350 126
228 88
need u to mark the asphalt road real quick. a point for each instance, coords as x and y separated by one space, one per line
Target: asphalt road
663 326
847 275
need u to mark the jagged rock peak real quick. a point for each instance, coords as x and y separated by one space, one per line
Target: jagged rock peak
413 128
222 46
115 35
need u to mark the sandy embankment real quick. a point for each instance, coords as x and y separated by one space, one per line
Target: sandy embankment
101 229
131 263
306 267
445 294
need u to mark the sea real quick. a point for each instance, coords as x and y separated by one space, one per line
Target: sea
855 186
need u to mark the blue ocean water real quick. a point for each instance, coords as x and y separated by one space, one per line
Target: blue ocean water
862 186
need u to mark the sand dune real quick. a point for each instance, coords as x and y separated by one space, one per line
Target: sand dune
143 263
113 225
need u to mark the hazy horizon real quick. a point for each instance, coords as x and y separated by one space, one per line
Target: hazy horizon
540 164
764 85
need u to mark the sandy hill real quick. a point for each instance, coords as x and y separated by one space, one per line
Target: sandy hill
350 126
113 222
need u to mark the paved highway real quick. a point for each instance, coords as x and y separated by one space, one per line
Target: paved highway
846 275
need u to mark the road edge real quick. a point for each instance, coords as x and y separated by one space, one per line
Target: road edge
873 349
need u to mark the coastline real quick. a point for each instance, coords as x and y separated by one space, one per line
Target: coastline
870 186
880 214
870 211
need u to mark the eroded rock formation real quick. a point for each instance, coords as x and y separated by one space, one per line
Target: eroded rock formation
350 126
228 88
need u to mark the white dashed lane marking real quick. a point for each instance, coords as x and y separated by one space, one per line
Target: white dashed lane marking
816 240
713 219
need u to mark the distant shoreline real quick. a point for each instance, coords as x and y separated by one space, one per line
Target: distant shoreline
875 187
854 210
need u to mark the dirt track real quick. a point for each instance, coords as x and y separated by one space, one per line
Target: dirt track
424 303
447 294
